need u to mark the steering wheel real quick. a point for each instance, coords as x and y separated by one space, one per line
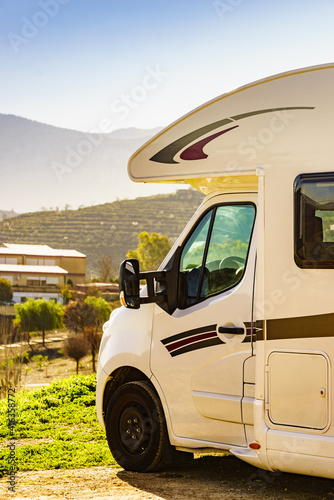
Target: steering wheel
232 262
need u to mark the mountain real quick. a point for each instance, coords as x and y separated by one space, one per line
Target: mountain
104 230
46 166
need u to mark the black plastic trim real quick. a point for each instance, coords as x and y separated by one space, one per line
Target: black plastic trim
309 263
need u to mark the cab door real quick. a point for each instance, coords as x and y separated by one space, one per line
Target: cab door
199 350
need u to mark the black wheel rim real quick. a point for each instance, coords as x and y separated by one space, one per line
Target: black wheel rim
135 428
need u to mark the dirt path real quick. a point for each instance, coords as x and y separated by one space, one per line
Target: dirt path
210 478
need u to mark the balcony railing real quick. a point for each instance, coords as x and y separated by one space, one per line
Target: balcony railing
36 288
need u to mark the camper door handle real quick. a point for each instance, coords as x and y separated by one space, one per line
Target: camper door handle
234 330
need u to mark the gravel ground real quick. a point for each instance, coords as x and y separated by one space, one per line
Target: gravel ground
207 477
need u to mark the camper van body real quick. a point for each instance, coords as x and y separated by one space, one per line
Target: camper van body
233 337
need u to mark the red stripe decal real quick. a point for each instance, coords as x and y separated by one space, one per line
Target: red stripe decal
190 340
195 152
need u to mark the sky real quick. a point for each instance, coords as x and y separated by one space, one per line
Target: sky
102 65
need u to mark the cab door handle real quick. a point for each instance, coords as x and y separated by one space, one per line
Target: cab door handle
232 330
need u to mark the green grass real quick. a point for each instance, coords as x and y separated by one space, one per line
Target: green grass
63 412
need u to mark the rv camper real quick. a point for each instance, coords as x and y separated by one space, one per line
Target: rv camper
230 345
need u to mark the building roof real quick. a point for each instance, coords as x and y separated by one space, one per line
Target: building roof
20 269
37 250
68 253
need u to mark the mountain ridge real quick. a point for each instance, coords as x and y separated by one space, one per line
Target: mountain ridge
47 166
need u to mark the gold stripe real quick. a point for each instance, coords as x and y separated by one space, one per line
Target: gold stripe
321 325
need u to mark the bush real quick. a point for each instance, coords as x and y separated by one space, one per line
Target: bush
6 293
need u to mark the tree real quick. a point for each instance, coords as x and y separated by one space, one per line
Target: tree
76 347
66 293
6 293
78 315
50 316
151 250
88 317
101 309
38 315
25 319
105 269
102 312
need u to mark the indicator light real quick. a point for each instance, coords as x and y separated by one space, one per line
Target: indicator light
255 446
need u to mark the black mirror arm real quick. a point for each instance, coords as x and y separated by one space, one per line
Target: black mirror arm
152 296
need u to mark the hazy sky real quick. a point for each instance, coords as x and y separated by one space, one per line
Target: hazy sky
144 63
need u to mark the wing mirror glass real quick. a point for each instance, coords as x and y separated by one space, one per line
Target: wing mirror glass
129 283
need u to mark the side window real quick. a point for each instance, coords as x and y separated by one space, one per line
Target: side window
314 221
191 263
214 257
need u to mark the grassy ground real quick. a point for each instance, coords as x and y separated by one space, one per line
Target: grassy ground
55 427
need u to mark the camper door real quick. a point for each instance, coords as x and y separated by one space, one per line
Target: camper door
199 350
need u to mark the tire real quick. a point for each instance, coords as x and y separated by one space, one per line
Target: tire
135 427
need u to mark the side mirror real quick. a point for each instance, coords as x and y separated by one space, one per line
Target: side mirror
129 283
157 283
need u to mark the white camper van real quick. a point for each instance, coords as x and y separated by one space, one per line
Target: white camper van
230 345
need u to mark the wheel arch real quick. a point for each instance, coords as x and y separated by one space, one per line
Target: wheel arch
121 376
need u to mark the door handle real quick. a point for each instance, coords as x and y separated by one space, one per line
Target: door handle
234 330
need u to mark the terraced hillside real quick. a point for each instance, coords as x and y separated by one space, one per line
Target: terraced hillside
110 229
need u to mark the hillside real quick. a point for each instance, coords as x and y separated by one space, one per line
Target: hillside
110 229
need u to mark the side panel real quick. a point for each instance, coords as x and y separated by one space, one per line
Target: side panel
126 341
293 411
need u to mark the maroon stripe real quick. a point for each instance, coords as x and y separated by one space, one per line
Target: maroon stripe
195 152
190 340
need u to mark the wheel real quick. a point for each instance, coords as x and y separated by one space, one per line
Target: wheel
135 427
233 262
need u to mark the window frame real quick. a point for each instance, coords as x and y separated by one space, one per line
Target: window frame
308 263
213 209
